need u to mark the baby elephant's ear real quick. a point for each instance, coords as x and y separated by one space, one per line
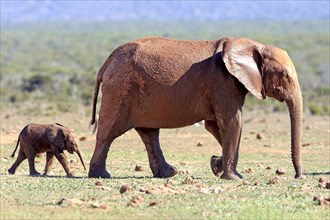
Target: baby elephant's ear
56 136
243 60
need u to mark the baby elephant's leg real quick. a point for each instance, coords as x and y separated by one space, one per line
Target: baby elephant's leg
64 162
33 171
20 158
49 162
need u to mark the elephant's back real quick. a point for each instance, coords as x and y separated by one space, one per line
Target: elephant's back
167 60
34 131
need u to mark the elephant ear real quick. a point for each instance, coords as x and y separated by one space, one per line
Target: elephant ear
56 136
243 60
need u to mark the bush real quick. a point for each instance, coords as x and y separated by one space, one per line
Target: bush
35 82
319 109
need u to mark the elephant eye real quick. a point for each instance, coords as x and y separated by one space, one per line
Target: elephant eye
284 74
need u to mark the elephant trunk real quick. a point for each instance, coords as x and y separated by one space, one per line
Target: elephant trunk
80 157
295 106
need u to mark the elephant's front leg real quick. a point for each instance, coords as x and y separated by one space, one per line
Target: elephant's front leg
157 162
60 156
230 138
49 162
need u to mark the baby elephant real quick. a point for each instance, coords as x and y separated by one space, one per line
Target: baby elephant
50 138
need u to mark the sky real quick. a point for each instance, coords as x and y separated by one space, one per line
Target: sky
33 10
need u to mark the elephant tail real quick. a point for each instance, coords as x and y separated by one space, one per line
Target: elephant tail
96 93
99 79
18 140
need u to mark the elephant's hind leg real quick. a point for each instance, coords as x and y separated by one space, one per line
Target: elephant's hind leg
20 158
112 123
157 162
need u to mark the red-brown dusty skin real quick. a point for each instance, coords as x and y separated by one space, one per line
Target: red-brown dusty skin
51 138
155 82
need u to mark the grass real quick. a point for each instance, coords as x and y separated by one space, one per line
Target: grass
194 193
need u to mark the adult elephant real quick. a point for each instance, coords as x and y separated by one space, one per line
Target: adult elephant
155 82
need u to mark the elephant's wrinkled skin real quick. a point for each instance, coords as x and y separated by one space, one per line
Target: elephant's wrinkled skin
154 83
50 138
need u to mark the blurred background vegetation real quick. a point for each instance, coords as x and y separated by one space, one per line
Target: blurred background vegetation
49 67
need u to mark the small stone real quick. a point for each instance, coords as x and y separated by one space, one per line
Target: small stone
269 168
245 183
200 144
98 183
153 203
248 170
83 138
125 189
280 171
73 161
275 180
260 136
327 185
139 168
322 180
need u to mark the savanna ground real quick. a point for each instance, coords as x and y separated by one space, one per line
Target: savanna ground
194 193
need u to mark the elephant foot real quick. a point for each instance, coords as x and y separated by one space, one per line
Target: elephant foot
229 176
216 165
11 171
35 174
166 171
238 174
299 176
70 175
99 174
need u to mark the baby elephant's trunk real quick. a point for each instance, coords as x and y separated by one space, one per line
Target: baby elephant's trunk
80 157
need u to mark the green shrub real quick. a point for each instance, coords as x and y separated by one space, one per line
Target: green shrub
319 109
35 82
87 97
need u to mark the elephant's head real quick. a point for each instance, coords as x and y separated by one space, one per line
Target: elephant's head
265 70
63 138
